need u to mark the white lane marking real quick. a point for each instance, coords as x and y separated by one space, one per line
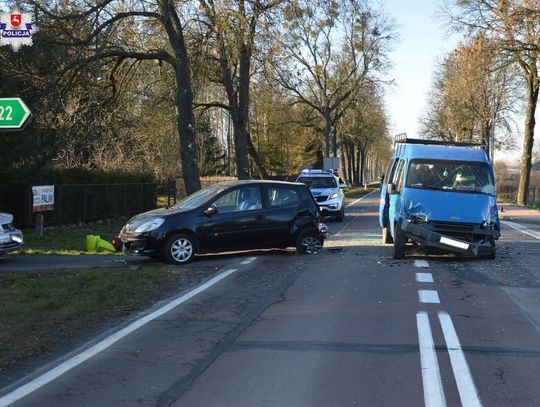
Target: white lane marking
354 218
362 197
428 296
424 277
421 263
522 229
69 364
431 375
249 260
467 390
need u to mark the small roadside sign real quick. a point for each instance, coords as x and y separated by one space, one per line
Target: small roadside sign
43 198
13 113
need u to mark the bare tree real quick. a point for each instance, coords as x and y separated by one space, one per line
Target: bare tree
473 96
234 27
118 31
328 50
514 27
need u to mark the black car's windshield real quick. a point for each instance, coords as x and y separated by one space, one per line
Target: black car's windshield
459 176
318 182
198 198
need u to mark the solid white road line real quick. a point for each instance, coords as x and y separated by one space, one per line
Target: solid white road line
64 367
424 278
467 390
421 263
431 375
363 197
428 296
522 229
249 260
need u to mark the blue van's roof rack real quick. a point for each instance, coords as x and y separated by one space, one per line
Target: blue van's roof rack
401 139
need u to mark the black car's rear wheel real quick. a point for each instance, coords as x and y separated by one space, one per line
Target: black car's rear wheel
179 249
308 242
400 240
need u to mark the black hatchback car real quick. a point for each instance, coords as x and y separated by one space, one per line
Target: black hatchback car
230 216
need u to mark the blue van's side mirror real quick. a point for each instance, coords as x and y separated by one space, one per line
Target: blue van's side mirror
391 189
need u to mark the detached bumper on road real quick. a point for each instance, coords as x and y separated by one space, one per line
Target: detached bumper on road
423 234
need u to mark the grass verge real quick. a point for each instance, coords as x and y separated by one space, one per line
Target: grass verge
69 239
357 192
42 311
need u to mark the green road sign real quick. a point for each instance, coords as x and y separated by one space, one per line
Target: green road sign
13 113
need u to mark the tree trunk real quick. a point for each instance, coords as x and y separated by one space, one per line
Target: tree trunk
327 131
358 163
184 101
343 162
362 159
533 86
261 169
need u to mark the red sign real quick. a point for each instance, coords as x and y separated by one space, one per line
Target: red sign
16 20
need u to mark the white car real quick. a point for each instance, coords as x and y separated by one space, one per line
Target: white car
327 192
10 237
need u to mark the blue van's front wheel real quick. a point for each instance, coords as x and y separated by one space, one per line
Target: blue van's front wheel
400 239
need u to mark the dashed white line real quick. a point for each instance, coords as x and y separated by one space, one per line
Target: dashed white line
421 263
424 277
249 260
467 390
431 375
522 229
428 296
69 364
362 197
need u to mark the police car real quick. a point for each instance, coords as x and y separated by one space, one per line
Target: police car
327 192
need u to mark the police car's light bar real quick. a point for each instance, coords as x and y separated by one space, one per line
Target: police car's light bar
318 171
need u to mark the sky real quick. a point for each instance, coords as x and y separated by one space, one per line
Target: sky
423 42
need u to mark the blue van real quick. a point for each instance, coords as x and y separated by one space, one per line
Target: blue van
439 194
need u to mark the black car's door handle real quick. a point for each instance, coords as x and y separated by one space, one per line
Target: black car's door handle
260 217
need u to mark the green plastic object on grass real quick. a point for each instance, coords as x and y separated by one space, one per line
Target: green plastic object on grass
94 244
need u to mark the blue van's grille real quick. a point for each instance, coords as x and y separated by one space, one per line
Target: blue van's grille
321 198
454 226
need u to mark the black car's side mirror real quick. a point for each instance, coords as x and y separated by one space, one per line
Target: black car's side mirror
391 189
210 211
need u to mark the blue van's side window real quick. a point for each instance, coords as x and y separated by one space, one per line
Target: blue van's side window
398 176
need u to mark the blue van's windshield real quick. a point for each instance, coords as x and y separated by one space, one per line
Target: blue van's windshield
457 176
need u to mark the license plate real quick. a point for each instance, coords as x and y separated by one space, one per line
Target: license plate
454 243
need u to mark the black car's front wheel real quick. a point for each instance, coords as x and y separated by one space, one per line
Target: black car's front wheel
308 242
179 249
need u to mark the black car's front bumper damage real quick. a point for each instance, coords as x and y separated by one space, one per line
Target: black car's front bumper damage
141 244
470 239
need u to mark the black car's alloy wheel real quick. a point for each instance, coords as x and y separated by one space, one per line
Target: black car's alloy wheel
179 249
308 243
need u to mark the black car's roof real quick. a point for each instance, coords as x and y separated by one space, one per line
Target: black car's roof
257 181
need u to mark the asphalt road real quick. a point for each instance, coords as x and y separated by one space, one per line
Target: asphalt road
347 327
